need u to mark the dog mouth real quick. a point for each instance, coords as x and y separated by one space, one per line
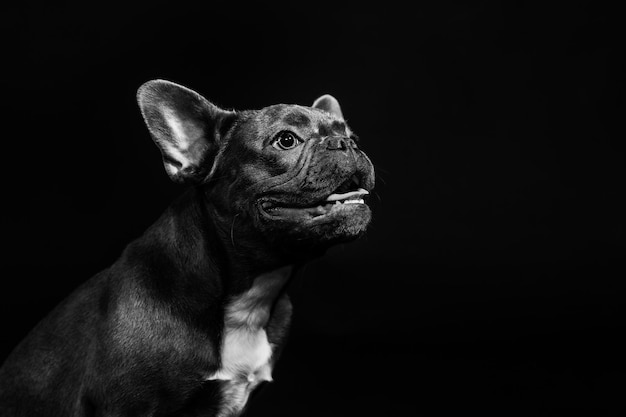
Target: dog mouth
348 195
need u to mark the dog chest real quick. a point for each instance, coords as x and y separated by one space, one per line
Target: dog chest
246 352
245 356
246 362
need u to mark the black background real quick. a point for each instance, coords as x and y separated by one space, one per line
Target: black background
491 279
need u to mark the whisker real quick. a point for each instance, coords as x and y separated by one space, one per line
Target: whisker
377 168
232 231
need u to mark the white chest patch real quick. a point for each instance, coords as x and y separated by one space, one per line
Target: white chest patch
246 353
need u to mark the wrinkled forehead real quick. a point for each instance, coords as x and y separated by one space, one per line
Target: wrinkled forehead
302 118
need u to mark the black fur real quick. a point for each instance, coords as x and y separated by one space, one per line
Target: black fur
139 338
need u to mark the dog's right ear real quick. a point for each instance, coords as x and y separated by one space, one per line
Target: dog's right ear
185 126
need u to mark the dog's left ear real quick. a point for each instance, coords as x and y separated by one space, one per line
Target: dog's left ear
185 126
329 104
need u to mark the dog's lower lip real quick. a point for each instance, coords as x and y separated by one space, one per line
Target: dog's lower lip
350 197
275 209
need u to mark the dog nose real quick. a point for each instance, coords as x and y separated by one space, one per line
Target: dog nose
339 143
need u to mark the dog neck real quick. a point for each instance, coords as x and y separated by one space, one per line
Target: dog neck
252 308
191 243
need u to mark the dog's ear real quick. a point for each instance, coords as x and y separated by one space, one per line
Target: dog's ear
185 126
329 104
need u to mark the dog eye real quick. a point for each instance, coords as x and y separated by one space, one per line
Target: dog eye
286 140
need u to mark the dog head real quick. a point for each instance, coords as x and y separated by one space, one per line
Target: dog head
290 175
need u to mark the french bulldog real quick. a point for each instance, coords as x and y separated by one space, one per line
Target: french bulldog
192 317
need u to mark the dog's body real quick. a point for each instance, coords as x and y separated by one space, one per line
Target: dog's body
192 316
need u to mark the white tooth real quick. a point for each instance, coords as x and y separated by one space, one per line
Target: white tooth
357 201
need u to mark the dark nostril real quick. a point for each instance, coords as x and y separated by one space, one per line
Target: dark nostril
338 143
